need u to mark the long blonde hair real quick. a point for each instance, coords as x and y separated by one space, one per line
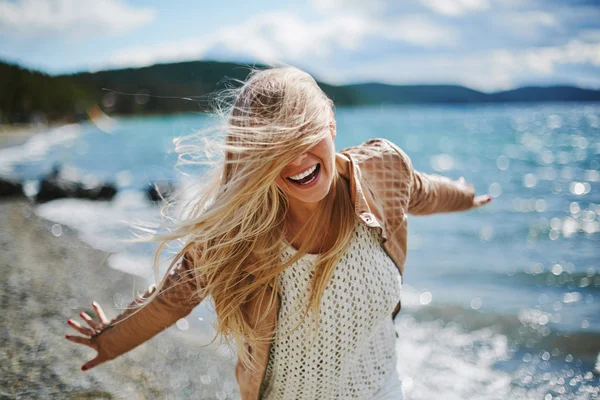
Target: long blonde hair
236 227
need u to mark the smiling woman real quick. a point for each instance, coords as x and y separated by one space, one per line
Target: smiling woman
307 179
282 182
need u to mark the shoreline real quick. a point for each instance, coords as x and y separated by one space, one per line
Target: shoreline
48 279
16 135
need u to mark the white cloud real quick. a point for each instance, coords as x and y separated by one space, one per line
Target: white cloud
544 59
268 37
590 82
418 31
345 6
498 69
488 73
456 7
533 18
38 18
444 7
285 37
589 35
502 69
528 25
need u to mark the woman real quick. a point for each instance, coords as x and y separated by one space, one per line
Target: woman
301 248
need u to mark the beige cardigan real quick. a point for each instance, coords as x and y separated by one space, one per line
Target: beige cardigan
384 188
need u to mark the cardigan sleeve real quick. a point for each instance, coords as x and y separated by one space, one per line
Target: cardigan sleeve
144 319
432 193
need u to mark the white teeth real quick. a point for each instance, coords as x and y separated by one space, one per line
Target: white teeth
304 174
312 179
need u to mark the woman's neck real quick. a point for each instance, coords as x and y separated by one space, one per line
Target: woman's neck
299 212
298 215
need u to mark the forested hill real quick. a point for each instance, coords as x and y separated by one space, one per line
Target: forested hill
378 93
26 95
183 87
179 87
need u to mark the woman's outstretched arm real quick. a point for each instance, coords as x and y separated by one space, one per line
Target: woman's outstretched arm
432 193
141 320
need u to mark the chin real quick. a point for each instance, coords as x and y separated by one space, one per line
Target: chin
315 195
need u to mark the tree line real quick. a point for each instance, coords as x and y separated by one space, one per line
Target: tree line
28 96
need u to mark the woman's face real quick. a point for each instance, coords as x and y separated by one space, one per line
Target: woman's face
308 178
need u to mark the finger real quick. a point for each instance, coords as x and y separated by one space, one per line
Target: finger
481 200
81 340
100 313
92 363
81 329
89 320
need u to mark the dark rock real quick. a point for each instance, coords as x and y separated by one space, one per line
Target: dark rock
10 188
101 192
159 190
54 187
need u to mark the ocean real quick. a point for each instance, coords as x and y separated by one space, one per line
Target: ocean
500 302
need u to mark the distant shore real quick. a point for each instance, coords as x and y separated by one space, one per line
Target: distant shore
17 134
47 279
191 86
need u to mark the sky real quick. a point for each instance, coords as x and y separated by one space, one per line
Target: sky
488 45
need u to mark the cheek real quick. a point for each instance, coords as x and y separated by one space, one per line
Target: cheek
329 160
324 152
284 186
280 183
325 146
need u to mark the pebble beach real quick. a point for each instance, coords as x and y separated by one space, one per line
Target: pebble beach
48 276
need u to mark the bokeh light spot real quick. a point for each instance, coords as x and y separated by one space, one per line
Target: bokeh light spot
56 230
182 324
529 180
577 188
495 189
425 298
502 162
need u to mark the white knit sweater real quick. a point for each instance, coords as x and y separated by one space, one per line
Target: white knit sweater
353 351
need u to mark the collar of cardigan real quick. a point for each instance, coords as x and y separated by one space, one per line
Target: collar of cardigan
364 201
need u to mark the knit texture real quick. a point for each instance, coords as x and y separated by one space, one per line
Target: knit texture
353 351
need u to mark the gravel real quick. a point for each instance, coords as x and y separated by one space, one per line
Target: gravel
46 280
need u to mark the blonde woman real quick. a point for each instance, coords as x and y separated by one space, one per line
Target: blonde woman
302 250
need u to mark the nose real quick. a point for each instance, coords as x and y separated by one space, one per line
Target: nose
298 160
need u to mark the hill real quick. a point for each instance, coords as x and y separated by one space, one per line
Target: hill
185 87
29 95
378 93
179 87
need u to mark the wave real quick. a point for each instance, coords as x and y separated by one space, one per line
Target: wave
531 328
38 146
557 276
442 360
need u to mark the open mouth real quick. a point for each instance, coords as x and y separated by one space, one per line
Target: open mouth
306 177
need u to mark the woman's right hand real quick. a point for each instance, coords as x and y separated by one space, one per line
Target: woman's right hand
90 333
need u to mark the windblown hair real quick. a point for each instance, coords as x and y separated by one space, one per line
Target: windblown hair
234 232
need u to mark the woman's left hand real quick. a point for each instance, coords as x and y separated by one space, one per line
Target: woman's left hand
478 201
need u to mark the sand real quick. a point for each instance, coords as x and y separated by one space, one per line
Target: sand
15 135
46 280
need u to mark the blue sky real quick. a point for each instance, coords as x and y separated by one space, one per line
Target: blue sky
487 45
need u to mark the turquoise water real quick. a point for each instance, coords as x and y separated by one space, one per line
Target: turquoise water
526 266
